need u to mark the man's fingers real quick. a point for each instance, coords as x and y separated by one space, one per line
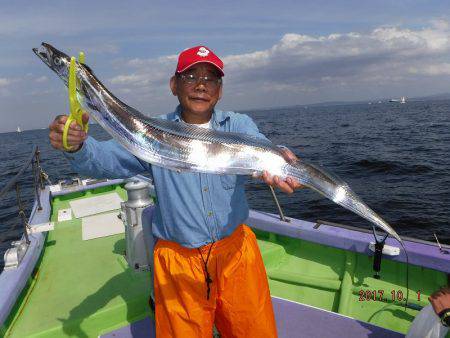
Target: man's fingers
288 155
60 128
73 138
61 118
59 144
288 186
75 134
283 185
74 129
291 155
74 125
60 121
267 178
70 139
54 125
85 118
294 184
54 136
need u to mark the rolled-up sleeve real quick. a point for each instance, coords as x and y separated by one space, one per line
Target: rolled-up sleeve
105 159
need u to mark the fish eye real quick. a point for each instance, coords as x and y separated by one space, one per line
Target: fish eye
57 61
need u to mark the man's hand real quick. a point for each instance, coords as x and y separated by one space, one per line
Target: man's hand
440 300
290 184
75 137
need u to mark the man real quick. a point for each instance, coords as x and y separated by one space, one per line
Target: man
440 300
208 268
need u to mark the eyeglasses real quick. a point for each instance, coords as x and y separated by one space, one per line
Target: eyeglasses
211 82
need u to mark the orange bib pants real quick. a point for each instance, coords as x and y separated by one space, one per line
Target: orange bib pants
223 283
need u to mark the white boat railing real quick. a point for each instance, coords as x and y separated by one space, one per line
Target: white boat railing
14 255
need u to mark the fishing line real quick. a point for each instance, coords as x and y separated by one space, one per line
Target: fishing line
407 274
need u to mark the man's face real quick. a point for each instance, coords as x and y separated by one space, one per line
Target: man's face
200 96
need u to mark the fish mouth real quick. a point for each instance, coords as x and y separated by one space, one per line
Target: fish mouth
43 53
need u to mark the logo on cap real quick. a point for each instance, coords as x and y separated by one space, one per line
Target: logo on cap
203 52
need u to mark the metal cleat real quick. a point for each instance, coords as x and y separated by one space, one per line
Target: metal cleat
13 256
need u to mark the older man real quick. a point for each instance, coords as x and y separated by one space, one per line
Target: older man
208 268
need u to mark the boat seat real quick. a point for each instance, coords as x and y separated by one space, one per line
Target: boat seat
95 205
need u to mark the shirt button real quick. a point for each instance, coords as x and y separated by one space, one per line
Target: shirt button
205 189
210 213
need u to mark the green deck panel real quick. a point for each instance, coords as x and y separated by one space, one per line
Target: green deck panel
331 279
84 288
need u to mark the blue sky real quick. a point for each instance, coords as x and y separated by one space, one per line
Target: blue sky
276 53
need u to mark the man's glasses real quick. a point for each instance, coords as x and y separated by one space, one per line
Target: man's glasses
211 82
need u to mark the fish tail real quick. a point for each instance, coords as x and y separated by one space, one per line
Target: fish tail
335 189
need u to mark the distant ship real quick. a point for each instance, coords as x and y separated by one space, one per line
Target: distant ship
19 130
401 100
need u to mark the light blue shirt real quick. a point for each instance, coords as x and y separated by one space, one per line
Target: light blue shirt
193 209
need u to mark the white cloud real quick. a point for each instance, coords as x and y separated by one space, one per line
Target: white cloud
42 78
132 79
342 66
4 81
7 86
302 68
432 70
97 48
145 73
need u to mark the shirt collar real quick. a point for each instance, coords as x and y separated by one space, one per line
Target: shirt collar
218 116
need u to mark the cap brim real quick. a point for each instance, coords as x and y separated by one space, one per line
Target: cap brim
202 61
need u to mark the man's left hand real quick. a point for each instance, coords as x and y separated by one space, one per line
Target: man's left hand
290 184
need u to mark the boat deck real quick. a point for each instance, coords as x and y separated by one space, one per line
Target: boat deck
81 286
85 288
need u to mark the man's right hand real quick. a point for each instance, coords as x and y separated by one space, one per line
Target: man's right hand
75 137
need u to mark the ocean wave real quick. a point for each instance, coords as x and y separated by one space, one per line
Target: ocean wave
393 167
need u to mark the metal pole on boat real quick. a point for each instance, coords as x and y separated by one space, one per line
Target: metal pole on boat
22 214
35 169
38 163
280 212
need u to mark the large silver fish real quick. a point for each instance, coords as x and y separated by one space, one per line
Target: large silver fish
180 146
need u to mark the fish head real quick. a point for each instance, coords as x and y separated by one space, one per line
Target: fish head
56 60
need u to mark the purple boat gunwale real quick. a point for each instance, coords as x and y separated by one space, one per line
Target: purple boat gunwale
14 280
425 254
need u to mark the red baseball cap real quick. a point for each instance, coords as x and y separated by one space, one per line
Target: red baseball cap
194 55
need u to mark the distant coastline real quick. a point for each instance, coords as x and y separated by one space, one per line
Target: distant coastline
385 100
435 97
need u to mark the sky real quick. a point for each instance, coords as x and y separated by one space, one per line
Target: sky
276 53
